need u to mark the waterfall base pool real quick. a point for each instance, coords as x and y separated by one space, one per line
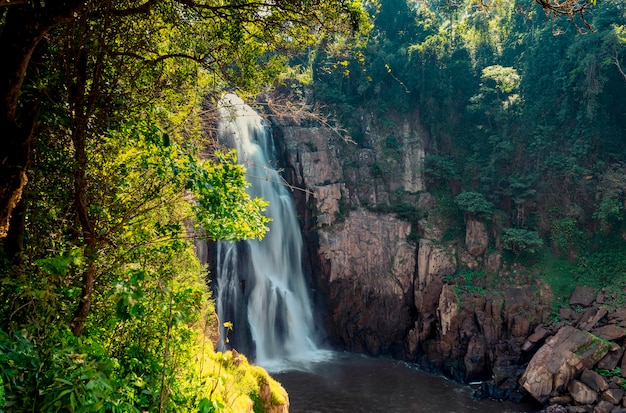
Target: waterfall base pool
351 383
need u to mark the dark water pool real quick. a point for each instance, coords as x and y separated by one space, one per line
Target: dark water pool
347 382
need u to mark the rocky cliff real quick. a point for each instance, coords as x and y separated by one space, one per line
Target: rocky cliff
390 279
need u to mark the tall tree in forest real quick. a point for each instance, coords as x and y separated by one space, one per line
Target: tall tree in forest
227 38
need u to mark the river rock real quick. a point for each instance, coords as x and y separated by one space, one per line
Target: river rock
563 357
581 393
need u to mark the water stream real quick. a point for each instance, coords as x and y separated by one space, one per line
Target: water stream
261 285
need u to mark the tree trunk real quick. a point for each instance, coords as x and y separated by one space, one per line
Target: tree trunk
24 27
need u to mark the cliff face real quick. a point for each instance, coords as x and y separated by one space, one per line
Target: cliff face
365 262
389 280
390 284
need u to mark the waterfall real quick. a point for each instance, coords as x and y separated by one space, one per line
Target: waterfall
261 287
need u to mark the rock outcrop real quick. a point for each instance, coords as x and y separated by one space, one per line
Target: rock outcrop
565 371
562 358
388 281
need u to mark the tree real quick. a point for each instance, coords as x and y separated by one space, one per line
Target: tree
229 39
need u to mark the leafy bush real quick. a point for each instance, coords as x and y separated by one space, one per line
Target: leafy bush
520 241
474 203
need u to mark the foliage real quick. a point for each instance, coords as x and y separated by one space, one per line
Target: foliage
474 203
519 241
103 304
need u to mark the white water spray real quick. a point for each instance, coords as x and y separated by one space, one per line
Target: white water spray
261 283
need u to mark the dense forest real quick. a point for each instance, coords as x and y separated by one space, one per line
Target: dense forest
526 117
108 169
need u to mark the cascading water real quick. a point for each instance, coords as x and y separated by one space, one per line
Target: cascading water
261 287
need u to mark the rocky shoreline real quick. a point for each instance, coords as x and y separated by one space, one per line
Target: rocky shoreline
580 367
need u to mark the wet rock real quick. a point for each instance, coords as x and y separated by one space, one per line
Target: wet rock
370 280
581 393
583 296
563 357
475 359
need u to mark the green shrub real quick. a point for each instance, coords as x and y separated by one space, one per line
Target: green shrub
520 241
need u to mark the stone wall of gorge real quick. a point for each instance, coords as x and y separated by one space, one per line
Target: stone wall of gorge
388 279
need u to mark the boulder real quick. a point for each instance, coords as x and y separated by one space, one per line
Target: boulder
535 338
618 316
614 396
610 332
581 393
595 381
603 407
582 295
563 357
610 361
590 318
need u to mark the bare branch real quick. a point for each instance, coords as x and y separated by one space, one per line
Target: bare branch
615 60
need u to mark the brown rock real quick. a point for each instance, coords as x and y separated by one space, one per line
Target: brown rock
610 332
566 313
579 409
610 361
493 262
595 381
582 295
581 393
618 316
590 318
369 280
623 368
539 334
563 400
614 396
476 238
603 407
560 359
554 408
475 359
